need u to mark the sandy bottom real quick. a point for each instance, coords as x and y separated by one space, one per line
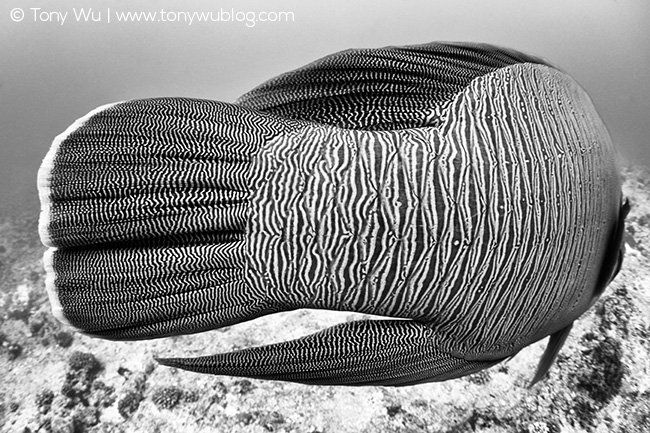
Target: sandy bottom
54 380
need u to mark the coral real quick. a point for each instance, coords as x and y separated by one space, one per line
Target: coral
615 311
599 382
604 378
85 416
150 367
220 391
272 421
637 415
44 401
597 377
191 396
36 323
63 339
167 397
14 350
82 397
480 419
399 416
480 378
43 326
106 427
82 369
62 424
246 418
542 427
21 303
86 362
129 403
102 395
393 410
133 394
243 386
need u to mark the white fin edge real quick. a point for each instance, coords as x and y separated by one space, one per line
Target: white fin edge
52 292
43 182
44 171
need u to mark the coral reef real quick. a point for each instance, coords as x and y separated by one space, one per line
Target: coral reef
58 381
167 397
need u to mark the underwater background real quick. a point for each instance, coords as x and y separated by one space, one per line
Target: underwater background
54 70
51 73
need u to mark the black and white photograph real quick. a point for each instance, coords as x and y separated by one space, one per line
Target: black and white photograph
325 217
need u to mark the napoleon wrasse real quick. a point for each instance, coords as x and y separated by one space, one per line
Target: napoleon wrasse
469 189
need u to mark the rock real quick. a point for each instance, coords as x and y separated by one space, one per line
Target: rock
393 410
603 378
14 350
20 303
37 323
63 339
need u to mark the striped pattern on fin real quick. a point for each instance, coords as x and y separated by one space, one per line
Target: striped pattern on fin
144 206
367 352
154 171
381 89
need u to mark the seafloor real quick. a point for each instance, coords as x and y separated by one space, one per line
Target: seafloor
52 380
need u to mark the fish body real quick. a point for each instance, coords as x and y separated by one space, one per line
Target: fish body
469 189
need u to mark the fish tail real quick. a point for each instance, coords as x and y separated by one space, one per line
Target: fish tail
144 206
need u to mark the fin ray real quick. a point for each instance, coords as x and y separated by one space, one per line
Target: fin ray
555 343
144 206
380 89
367 352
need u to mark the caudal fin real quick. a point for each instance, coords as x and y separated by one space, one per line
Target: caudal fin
144 205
